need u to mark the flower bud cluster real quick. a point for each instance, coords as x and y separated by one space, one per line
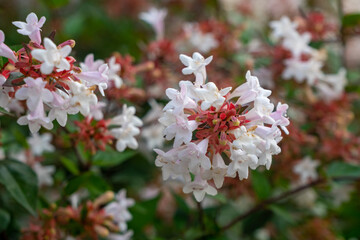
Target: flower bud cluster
217 133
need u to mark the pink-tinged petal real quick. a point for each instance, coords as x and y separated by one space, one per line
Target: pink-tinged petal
19 24
39 54
49 45
35 36
47 96
22 93
41 22
2 36
65 51
5 51
31 18
46 68
24 31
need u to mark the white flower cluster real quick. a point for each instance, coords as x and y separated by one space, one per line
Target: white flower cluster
214 135
118 210
329 86
52 83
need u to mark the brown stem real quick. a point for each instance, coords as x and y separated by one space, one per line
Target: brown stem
201 215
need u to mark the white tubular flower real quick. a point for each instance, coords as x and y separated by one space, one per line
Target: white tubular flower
199 40
113 72
82 98
5 51
199 187
171 165
40 143
52 57
97 77
211 96
298 44
181 129
128 128
306 169
196 155
90 64
331 86
119 209
153 136
155 17
206 126
44 174
303 70
249 91
283 28
31 27
195 65
179 100
218 171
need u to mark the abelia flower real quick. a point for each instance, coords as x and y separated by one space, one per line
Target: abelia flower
196 65
126 127
241 126
118 209
5 51
155 17
114 71
306 169
199 40
52 57
82 98
40 143
31 27
44 174
283 28
199 187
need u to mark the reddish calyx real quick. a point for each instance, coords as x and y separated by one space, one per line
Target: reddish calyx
216 124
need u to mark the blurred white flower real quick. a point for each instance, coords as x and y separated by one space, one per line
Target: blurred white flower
119 209
155 17
40 143
306 169
44 174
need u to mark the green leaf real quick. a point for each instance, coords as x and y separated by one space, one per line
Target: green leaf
2 110
20 181
341 169
282 213
260 184
351 20
111 157
70 165
4 219
94 183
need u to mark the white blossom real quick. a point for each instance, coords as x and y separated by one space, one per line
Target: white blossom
52 57
40 143
31 27
119 209
306 169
